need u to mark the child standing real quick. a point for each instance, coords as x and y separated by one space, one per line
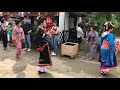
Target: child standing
18 37
54 37
9 32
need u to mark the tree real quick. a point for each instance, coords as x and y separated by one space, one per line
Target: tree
99 18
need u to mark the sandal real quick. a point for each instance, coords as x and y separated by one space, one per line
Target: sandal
39 72
18 57
104 73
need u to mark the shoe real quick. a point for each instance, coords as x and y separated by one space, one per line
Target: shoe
29 50
103 73
24 49
7 49
90 58
39 72
53 53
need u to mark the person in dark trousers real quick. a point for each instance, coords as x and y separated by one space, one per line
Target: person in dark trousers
79 34
4 29
27 28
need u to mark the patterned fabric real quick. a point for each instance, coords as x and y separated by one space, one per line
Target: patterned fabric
105 44
107 57
117 46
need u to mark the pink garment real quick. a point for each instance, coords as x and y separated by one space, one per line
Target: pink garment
18 37
18 52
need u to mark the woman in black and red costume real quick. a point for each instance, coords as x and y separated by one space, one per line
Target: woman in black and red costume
43 46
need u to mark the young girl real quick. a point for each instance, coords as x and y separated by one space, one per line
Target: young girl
18 37
9 32
54 38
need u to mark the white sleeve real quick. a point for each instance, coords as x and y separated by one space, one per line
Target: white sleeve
80 30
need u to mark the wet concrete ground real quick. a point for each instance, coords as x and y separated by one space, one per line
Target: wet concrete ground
63 67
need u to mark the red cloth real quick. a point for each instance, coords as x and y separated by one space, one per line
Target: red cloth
55 29
48 29
117 46
49 21
41 48
105 45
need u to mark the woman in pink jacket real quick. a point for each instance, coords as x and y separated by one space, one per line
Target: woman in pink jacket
18 37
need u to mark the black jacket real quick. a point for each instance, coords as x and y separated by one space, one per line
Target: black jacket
41 38
26 27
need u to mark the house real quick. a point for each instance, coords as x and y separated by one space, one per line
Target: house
67 22
31 15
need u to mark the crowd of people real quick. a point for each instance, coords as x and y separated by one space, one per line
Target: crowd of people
20 33
47 41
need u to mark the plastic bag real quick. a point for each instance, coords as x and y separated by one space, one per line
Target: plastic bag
8 37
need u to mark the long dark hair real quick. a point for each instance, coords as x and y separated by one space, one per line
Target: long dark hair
17 22
55 21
